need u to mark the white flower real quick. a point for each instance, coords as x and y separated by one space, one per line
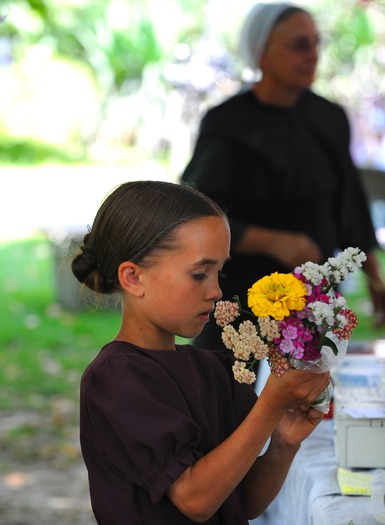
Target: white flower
314 273
339 302
322 313
344 263
342 321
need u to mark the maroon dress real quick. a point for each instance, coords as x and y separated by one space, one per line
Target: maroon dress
147 415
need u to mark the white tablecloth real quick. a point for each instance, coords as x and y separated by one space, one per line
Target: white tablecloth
311 494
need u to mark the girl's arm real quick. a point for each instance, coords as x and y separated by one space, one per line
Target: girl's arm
265 479
203 487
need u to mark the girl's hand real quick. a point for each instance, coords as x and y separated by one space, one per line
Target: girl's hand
293 389
295 426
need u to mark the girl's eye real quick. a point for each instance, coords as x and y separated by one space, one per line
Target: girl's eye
202 276
199 276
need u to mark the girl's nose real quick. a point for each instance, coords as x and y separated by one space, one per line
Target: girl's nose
215 292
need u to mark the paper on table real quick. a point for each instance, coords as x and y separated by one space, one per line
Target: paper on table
354 482
364 412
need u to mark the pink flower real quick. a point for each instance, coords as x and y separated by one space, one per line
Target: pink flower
298 352
286 346
290 332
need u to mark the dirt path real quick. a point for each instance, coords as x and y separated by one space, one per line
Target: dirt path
43 480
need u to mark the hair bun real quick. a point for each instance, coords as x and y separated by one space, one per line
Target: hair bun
84 265
89 257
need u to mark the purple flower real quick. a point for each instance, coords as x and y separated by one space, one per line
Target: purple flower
290 332
298 352
286 346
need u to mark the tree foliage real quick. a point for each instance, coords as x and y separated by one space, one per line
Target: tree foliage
116 40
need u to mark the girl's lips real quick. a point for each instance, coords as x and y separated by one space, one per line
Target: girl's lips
205 315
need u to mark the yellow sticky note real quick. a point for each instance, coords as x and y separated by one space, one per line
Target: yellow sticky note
355 483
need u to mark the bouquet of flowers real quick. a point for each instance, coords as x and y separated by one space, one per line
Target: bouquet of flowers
299 320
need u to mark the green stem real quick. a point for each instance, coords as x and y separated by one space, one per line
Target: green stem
241 310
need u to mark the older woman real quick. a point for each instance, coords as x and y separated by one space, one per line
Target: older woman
276 156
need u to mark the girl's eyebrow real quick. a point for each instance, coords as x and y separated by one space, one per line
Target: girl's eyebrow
204 261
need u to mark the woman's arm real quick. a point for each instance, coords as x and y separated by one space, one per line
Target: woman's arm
376 287
290 248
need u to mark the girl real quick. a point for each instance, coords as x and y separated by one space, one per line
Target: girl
167 435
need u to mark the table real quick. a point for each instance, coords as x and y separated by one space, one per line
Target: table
311 494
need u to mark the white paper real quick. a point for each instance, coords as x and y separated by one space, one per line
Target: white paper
362 412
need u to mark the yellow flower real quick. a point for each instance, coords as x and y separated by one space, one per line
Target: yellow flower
276 295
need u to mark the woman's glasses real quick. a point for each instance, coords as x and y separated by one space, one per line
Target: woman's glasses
303 44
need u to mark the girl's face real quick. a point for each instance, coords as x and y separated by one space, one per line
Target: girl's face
291 54
180 287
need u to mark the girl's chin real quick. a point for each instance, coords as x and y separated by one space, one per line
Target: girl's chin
192 334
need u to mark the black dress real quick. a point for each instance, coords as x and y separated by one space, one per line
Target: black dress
286 169
145 416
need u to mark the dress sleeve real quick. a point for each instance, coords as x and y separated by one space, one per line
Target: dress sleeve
244 396
144 432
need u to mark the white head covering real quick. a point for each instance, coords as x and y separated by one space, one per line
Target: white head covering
256 30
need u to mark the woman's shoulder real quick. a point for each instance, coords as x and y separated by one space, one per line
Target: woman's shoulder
321 105
242 98
229 110
326 118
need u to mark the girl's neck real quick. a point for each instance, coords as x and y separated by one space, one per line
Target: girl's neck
135 328
144 339
275 95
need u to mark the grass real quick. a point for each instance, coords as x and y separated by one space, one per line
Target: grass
44 348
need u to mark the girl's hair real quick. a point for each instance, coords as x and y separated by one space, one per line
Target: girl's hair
134 220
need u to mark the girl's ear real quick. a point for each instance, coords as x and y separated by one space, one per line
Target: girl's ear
128 275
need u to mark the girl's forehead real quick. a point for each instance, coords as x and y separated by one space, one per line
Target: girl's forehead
203 233
198 238
203 224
